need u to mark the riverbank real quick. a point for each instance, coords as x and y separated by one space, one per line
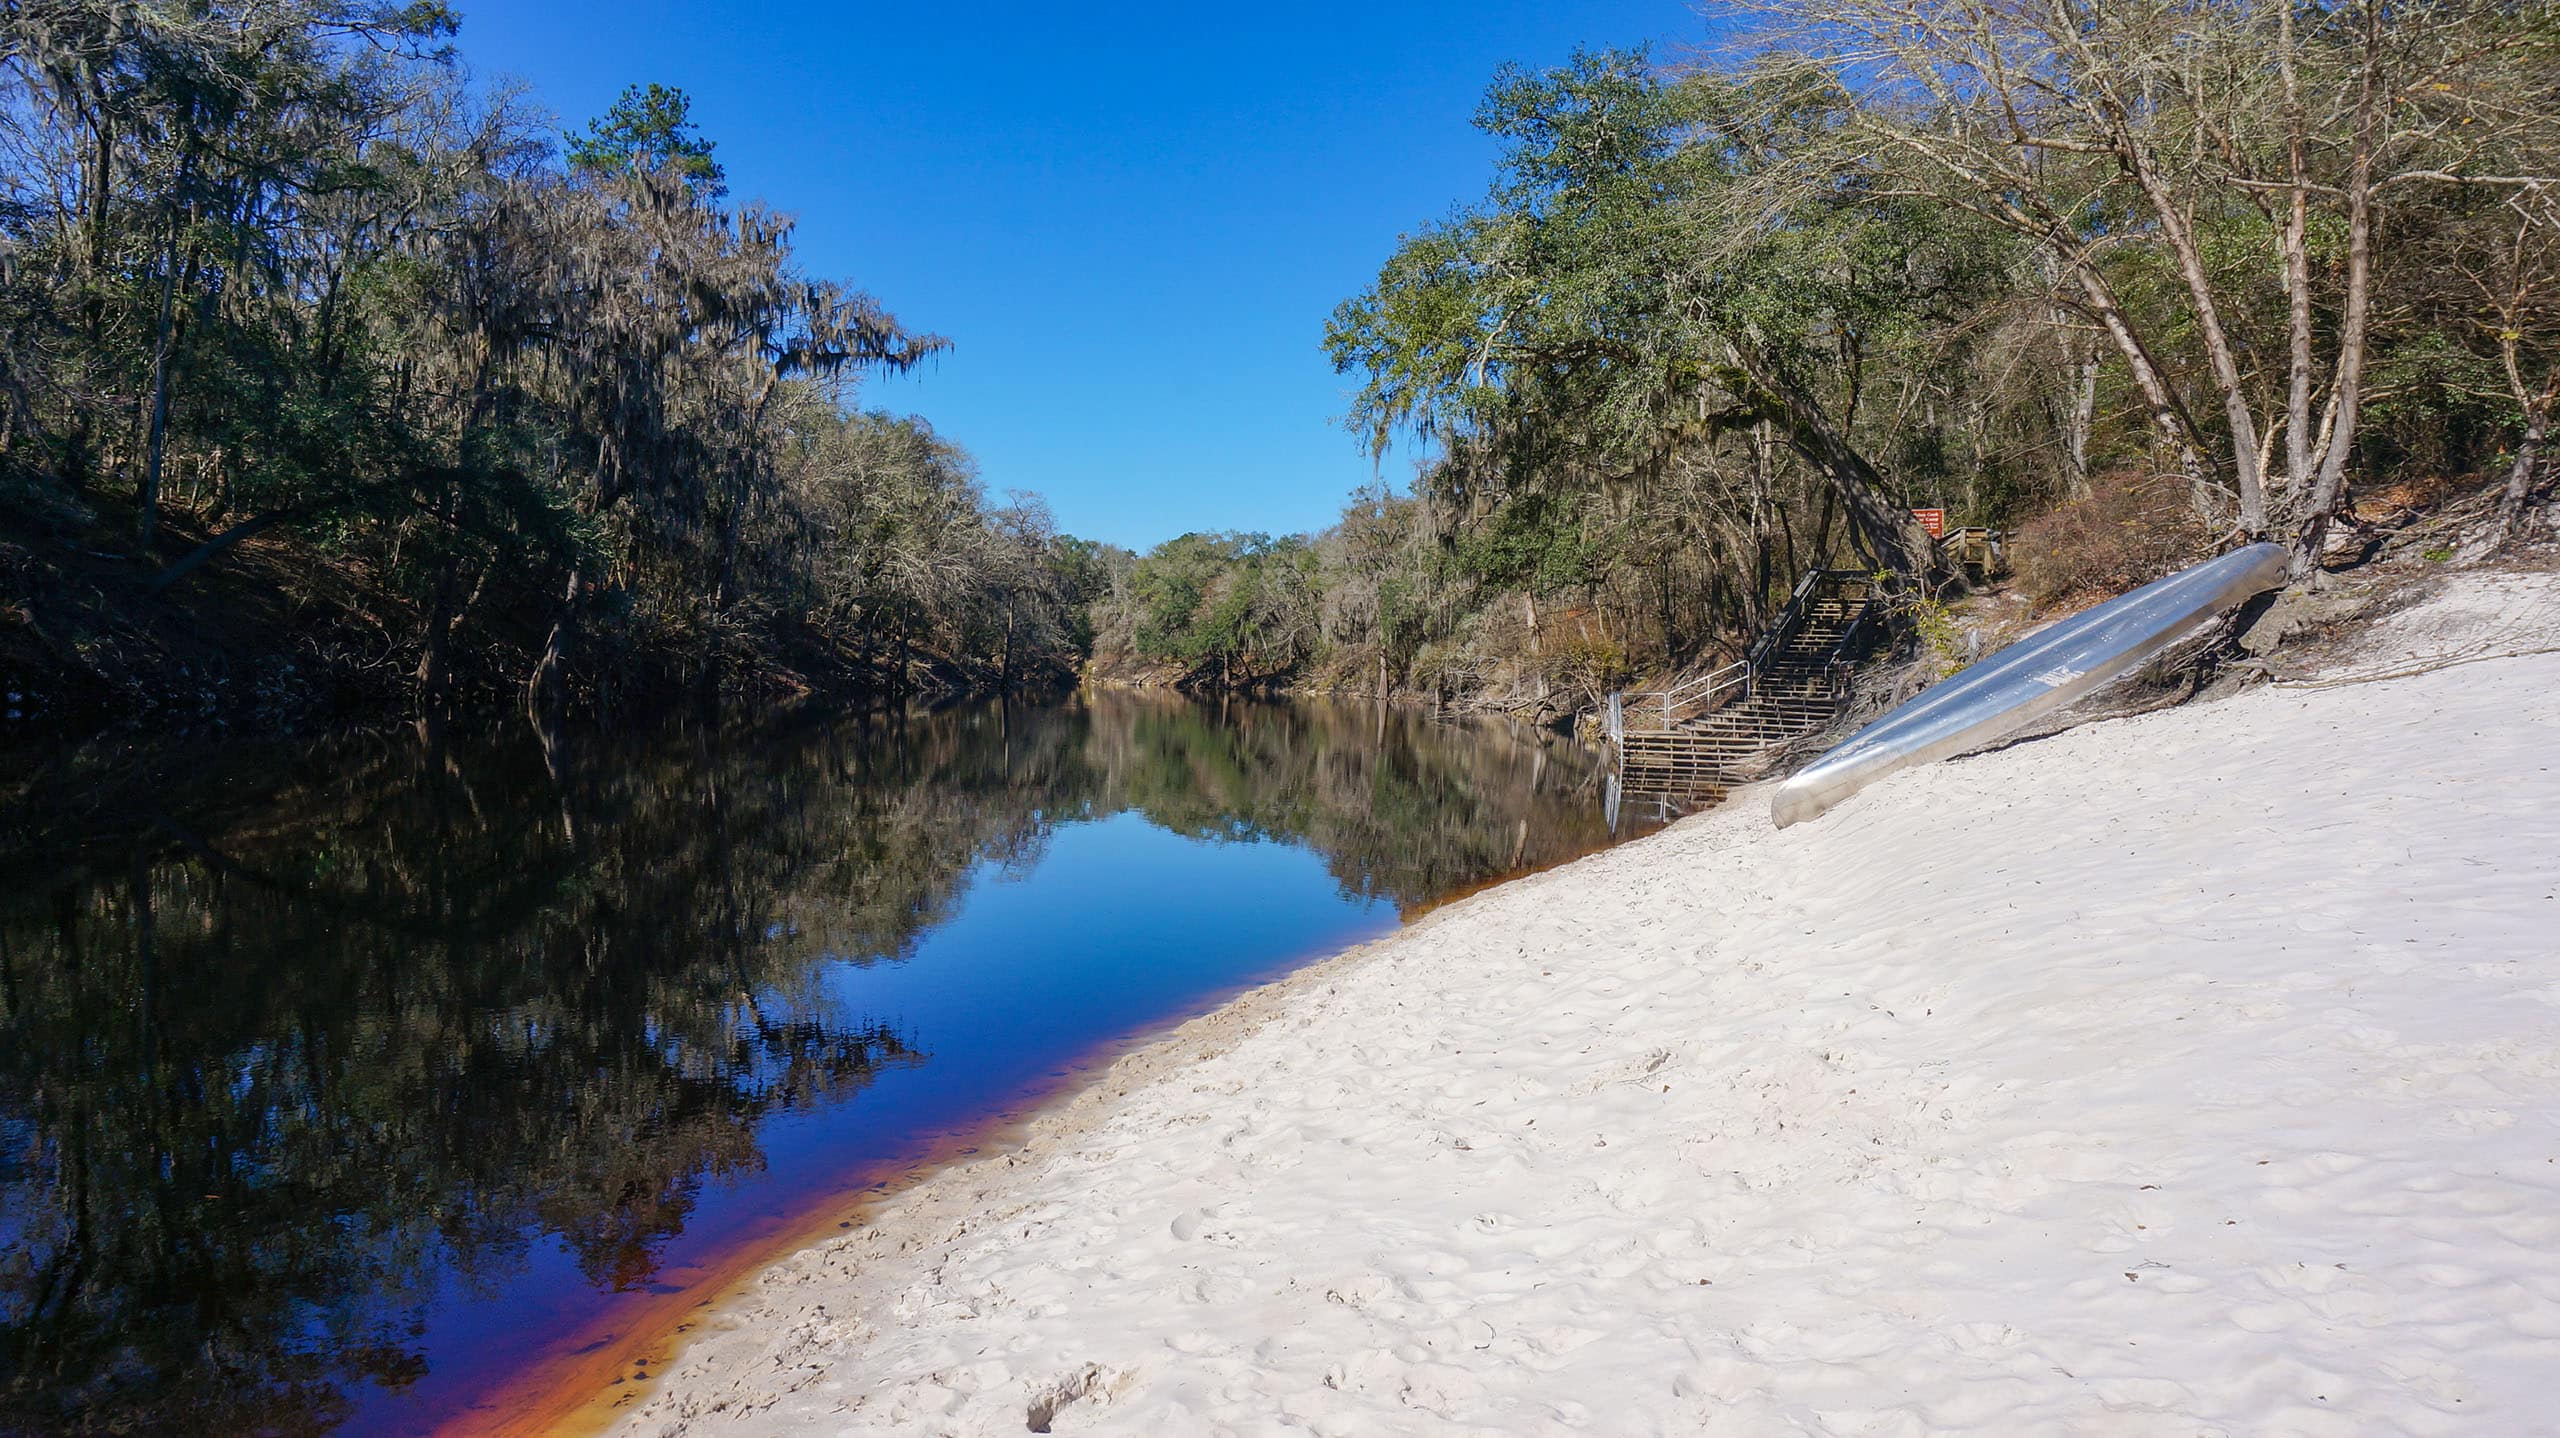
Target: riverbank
2193 1070
287 631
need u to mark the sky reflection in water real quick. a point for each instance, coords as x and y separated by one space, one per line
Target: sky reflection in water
336 1085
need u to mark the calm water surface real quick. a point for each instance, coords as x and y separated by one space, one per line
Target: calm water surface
340 1084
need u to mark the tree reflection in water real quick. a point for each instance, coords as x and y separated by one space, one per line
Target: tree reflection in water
297 1044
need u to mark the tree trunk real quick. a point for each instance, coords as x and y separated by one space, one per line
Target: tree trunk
147 493
101 191
2329 489
1673 641
1760 583
2078 413
165 334
433 662
542 686
195 558
324 342
1786 540
433 644
2225 363
2537 430
2116 116
1529 611
2177 428
2084 419
2520 476
1763 482
1885 529
2295 243
433 652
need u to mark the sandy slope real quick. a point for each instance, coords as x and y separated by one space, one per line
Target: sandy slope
2191 1073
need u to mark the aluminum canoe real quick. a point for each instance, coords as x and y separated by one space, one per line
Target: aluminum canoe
2030 678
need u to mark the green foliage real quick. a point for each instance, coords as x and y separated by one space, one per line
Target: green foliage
1657 334
1709 328
1936 630
572 424
1532 541
1239 606
1551 300
568 427
650 128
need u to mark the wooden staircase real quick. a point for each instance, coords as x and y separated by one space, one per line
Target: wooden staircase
1702 736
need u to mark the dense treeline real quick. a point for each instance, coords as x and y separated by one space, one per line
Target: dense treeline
2178 274
319 368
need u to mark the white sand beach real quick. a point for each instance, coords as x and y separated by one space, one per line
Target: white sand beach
2191 1073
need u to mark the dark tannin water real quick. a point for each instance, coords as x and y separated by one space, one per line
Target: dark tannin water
338 1084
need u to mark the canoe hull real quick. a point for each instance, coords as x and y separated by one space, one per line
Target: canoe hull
2031 678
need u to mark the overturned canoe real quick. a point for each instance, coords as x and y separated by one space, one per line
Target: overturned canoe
2032 677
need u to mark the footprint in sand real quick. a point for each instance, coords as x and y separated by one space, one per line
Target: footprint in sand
1092 1384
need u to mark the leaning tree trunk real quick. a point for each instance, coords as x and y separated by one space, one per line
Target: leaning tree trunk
2537 432
2168 414
1883 527
2520 479
196 557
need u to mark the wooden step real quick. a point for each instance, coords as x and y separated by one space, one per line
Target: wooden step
1776 711
1793 693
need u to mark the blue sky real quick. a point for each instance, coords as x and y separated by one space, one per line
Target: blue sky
1132 220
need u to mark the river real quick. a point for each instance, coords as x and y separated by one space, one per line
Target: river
344 1084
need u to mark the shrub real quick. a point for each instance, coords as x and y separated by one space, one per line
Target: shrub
2129 530
1935 625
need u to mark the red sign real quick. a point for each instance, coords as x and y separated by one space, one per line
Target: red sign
1932 520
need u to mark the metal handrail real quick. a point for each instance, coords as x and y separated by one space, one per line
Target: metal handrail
1840 666
1717 687
1789 618
1706 685
1694 695
1850 638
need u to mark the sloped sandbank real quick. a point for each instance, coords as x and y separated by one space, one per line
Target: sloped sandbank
2198 1071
